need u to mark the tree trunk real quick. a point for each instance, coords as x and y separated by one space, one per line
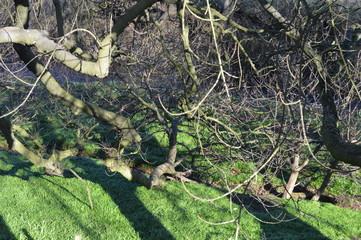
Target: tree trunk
341 150
293 178
325 183
172 136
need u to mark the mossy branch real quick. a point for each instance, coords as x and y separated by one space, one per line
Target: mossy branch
51 165
138 177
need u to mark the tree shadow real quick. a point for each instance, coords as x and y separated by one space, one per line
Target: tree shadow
27 234
276 222
18 169
122 193
5 232
120 190
25 170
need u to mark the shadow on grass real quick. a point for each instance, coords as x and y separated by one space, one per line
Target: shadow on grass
276 221
5 232
294 229
123 194
24 171
26 233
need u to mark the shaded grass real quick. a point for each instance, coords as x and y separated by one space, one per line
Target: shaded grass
312 220
34 206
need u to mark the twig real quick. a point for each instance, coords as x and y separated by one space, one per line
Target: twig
85 185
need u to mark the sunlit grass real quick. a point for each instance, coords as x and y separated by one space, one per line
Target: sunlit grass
34 206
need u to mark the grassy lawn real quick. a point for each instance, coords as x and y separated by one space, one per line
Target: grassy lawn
34 206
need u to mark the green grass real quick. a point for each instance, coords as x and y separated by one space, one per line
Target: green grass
34 206
341 184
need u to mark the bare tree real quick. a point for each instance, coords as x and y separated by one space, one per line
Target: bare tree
245 74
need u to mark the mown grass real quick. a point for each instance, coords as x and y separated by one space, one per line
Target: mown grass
34 206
